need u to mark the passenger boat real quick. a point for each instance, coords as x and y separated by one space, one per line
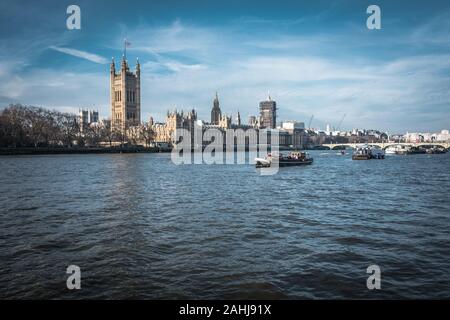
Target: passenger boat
392 149
404 149
367 153
362 153
291 159
436 150
398 149
417 150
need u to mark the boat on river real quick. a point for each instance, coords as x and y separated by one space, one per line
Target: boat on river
397 149
291 159
367 153
417 150
404 149
436 150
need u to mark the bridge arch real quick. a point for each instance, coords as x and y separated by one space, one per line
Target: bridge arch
340 147
383 145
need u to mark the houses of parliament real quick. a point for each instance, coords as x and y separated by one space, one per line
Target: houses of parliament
125 99
125 104
164 132
125 91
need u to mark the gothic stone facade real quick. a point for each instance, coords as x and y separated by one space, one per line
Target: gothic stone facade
216 114
164 132
125 96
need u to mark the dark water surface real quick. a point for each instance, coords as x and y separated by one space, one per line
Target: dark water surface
140 227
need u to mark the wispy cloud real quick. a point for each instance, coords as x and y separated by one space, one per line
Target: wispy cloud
433 32
81 54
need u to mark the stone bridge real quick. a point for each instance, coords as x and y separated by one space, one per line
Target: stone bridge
384 145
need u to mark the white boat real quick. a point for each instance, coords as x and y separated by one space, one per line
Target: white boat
391 150
262 162
398 149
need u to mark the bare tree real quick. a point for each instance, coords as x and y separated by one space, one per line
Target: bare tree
27 126
148 134
106 133
134 134
68 128
119 136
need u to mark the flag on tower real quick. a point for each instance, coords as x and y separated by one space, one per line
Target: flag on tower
126 44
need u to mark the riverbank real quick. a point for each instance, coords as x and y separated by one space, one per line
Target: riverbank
99 150
78 150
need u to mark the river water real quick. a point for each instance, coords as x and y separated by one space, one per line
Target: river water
139 226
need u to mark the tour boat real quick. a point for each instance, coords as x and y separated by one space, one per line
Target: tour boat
361 153
292 159
392 149
367 153
398 149
404 149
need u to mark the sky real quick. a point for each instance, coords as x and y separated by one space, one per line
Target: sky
314 57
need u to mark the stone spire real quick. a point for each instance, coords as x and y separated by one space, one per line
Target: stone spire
113 66
138 71
215 112
124 64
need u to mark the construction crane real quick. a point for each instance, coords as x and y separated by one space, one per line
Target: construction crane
340 122
310 121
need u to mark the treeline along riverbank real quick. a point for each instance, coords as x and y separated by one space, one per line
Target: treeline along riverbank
40 130
77 150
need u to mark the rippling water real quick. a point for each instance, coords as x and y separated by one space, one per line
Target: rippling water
140 227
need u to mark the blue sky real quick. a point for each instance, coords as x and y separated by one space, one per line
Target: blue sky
315 57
